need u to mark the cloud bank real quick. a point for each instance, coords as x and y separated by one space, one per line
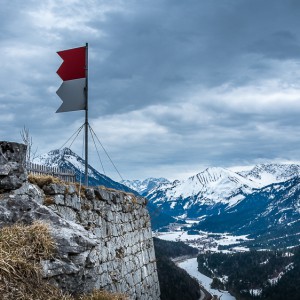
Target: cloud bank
175 86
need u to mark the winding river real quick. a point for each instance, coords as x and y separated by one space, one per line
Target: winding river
191 266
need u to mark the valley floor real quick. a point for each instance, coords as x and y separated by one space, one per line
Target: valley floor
191 266
205 241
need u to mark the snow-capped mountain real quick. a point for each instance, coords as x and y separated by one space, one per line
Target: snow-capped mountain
143 187
65 158
263 202
266 174
208 192
270 214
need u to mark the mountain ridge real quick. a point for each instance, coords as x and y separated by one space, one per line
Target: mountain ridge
269 214
204 193
220 186
238 203
267 174
144 186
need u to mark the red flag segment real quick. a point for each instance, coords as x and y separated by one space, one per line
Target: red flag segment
73 66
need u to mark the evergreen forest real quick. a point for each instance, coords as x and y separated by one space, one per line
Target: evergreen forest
175 283
268 275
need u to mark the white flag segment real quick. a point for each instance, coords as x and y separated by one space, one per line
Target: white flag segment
71 92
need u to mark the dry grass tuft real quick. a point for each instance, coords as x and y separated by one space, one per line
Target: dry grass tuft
102 187
48 200
21 250
80 189
32 242
131 198
42 180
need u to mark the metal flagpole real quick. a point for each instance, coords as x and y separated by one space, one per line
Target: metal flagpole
86 116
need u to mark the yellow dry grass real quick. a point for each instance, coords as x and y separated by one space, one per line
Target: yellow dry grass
21 250
80 189
42 180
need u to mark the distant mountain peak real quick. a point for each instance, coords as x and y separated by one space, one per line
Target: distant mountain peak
214 176
212 189
266 174
143 187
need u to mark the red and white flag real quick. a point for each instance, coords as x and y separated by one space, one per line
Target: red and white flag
73 72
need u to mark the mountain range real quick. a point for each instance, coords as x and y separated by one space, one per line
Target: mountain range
266 174
216 190
270 215
208 192
144 186
263 202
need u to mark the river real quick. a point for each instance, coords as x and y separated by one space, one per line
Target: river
191 266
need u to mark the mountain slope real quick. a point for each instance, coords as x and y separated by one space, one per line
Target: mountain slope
255 275
208 192
266 174
159 220
270 214
65 158
175 283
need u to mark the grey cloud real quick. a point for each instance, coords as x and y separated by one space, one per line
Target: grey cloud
157 55
279 45
163 54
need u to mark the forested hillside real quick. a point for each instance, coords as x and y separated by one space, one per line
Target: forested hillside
251 275
175 283
173 249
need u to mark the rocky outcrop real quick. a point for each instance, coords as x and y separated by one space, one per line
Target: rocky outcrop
103 236
12 160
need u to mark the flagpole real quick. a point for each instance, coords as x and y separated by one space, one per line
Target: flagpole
86 116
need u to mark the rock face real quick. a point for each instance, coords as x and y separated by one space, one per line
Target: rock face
12 160
103 236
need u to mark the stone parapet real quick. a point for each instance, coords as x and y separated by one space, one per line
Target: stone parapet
103 236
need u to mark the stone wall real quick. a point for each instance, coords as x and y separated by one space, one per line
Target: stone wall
103 236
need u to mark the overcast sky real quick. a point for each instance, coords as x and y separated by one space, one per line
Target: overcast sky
174 86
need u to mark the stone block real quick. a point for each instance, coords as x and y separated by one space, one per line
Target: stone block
12 166
71 189
102 194
59 199
90 194
67 212
54 189
73 201
12 152
57 267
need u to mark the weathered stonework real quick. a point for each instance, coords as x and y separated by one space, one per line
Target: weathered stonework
103 236
12 159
